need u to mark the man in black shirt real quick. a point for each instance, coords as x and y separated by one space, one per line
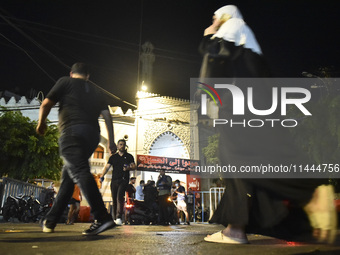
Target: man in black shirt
190 203
122 162
150 195
80 104
131 190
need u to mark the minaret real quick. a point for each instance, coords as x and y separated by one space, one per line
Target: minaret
147 58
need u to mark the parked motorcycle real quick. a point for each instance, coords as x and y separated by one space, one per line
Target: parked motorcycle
138 213
14 207
25 208
31 210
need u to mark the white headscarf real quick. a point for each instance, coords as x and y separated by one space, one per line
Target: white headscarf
236 30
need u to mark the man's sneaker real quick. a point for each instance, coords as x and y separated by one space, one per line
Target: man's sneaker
119 221
48 227
98 227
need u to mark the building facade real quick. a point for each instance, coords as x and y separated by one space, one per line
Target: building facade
160 126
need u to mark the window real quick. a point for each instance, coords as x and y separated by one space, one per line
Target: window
99 152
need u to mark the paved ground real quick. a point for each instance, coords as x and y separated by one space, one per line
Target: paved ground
20 239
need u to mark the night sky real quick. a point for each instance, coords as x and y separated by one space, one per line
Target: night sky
41 37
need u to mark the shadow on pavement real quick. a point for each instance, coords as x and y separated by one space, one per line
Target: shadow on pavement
43 239
318 252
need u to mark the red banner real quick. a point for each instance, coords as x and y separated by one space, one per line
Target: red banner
193 182
170 165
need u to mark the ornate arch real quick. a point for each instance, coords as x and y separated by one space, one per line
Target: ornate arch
153 131
168 144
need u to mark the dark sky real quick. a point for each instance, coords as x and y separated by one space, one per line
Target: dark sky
295 36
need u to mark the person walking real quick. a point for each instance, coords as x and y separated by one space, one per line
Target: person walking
121 162
80 105
181 204
231 50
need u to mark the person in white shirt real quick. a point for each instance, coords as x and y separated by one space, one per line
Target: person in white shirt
139 191
181 204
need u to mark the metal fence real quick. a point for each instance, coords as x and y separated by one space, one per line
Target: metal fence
205 203
203 207
215 196
14 188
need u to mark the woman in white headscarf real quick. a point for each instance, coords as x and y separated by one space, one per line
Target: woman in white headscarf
230 49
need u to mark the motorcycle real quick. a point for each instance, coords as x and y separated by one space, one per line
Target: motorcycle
14 207
138 213
25 208
31 210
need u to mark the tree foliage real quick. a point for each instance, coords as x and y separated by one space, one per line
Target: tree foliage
24 154
319 134
210 152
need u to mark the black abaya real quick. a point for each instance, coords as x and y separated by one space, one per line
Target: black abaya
252 146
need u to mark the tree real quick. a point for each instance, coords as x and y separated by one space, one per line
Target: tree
210 152
24 154
319 135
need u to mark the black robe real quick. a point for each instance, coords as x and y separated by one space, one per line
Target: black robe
264 205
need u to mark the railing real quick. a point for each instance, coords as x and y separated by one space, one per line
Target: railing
200 199
215 195
208 201
203 198
14 188
211 198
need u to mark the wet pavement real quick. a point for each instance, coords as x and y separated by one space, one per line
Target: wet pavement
27 238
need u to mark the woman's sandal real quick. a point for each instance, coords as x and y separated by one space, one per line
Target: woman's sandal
218 237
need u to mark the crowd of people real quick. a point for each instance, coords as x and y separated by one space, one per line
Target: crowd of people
231 50
168 201
164 198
